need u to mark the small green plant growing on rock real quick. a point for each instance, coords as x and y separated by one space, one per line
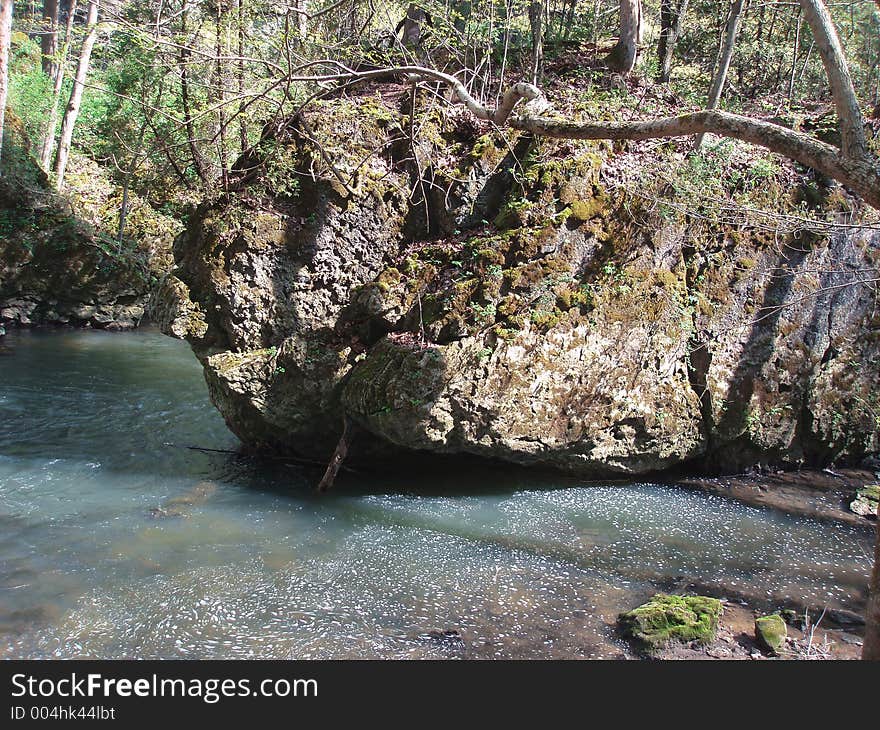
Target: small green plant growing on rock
666 618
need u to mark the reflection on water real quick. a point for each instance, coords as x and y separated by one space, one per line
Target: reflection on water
115 544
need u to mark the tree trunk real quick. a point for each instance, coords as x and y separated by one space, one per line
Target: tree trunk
412 25
126 185
189 127
871 647
536 18
72 111
730 35
302 19
5 38
622 58
794 54
49 137
242 121
671 19
49 38
852 124
221 96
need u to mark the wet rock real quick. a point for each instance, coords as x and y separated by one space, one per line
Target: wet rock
667 618
865 503
448 637
771 632
842 617
163 513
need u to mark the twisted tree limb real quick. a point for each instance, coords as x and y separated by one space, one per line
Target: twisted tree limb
859 174
853 165
498 116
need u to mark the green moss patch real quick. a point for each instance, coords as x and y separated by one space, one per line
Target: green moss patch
771 632
667 618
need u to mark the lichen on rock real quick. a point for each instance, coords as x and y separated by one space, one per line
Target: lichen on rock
497 299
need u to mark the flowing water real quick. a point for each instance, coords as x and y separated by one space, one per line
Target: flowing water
117 541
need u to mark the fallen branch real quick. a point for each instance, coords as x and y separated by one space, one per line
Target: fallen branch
861 175
499 115
338 457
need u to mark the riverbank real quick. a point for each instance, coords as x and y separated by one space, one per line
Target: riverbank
822 494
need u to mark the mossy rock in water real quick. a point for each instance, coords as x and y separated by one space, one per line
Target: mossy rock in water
771 632
668 618
865 503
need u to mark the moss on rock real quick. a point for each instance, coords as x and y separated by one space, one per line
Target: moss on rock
667 618
771 632
867 498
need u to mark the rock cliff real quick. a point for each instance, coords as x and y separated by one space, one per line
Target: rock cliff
60 259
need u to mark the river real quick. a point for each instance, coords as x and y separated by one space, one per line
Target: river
117 541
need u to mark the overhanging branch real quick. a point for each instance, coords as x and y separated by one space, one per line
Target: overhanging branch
862 175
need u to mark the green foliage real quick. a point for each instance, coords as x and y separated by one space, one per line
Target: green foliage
30 91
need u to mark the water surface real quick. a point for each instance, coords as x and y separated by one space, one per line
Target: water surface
117 541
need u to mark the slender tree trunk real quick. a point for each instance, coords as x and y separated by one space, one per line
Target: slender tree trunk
189 127
622 58
49 138
730 35
242 121
794 54
126 185
72 111
671 19
49 38
302 19
871 647
536 18
5 38
221 96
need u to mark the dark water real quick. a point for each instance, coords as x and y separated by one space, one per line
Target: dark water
115 544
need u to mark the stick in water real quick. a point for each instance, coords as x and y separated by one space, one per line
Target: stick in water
338 457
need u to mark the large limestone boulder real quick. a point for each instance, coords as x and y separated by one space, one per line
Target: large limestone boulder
497 300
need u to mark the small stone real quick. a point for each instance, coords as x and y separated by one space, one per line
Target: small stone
865 503
771 632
